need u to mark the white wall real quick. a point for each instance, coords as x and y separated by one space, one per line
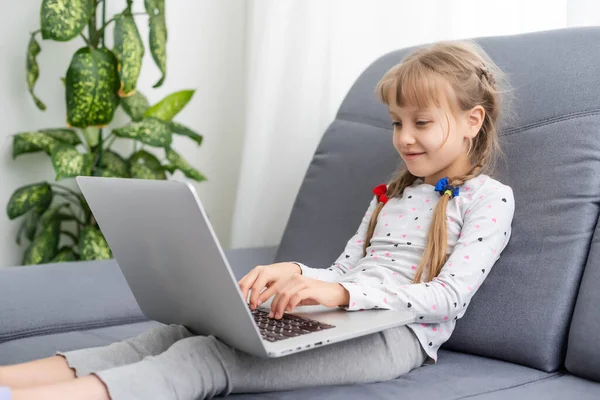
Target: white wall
205 51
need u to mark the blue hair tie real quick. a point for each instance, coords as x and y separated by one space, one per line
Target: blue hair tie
443 187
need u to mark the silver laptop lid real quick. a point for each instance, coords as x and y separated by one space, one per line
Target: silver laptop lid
170 256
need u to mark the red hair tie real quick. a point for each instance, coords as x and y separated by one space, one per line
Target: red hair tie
379 191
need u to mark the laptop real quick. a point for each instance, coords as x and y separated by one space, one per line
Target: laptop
165 245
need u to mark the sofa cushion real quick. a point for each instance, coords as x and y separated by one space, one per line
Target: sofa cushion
521 313
558 387
455 376
583 351
35 347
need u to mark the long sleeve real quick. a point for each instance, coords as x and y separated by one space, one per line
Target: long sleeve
352 253
483 236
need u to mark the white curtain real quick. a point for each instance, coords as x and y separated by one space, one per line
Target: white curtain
302 58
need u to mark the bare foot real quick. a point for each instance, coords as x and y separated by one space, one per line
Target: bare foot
88 387
36 373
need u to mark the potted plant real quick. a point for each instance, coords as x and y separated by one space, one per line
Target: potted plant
98 80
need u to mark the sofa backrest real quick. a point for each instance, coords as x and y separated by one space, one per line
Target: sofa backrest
583 351
522 311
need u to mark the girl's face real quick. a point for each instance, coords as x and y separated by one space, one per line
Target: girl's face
441 136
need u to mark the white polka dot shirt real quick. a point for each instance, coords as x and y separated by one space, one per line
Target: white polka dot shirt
478 229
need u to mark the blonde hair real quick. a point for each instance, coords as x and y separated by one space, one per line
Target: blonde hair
418 80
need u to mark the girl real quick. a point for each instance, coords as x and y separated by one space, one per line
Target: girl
444 102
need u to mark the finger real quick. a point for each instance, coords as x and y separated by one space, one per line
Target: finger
260 282
290 290
271 288
246 282
279 288
275 290
302 297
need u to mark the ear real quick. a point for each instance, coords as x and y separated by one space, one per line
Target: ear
475 118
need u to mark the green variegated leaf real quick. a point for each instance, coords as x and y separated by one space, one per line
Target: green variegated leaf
31 142
178 162
62 20
170 168
185 131
145 165
113 165
63 135
158 35
151 131
129 50
68 162
44 140
92 86
135 106
44 246
65 254
168 107
29 225
33 70
35 196
30 222
52 213
91 135
92 244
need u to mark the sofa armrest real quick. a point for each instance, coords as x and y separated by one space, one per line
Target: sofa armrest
69 296
61 297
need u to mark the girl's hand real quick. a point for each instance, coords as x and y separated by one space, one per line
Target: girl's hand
265 276
300 290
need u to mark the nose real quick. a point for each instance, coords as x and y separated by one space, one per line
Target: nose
404 137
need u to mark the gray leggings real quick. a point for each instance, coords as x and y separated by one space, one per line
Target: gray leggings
169 362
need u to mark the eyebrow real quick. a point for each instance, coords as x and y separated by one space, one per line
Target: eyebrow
424 110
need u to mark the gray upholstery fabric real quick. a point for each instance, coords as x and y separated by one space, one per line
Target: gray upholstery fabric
558 387
456 376
53 298
583 351
64 297
35 347
522 311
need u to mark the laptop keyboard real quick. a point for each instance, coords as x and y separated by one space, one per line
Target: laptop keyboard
287 326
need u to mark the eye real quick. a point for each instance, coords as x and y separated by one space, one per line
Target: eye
422 122
395 123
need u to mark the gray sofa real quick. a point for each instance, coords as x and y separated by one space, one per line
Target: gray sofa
532 330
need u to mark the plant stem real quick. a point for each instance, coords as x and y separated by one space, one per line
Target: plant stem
74 193
111 142
86 40
98 171
67 196
103 21
79 223
74 215
92 27
69 234
104 25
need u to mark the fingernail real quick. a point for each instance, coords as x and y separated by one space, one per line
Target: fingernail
259 302
271 314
